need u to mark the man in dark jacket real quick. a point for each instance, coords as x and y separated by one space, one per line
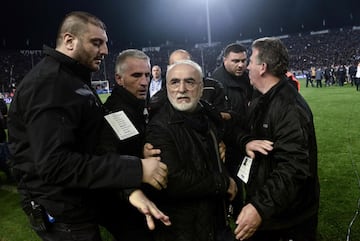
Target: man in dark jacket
53 123
186 133
235 79
282 191
132 75
156 83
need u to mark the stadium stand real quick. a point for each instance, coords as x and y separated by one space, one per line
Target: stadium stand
323 48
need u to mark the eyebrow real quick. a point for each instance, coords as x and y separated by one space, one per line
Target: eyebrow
186 79
136 74
190 79
97 40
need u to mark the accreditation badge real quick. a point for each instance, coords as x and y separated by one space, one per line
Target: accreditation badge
244 170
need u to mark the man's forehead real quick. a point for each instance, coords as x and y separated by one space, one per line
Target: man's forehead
95 32
132 62
183 69
240 55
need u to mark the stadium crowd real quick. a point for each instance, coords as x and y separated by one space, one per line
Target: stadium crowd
322 49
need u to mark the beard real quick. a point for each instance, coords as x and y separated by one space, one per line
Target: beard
184 106
86 58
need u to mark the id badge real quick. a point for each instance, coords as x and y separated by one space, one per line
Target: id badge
121 124
244 170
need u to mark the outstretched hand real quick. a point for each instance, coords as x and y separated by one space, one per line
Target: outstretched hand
138 199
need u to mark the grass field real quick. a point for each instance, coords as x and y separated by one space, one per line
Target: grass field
337 121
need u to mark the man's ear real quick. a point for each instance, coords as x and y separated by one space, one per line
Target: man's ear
263 68
69 41
119 80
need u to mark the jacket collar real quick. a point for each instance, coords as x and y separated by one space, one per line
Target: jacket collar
234 81
77 68
128 98
276 88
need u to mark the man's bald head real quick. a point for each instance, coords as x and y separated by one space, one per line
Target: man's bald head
179 54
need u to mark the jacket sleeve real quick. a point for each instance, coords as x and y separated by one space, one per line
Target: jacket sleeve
221 100
55 132
292 165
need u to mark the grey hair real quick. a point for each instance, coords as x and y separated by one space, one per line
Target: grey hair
274 53
189 62
120 65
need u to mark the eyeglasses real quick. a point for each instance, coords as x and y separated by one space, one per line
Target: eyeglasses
189 84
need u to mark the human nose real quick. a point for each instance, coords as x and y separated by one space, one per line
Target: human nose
144 81
104 50
182 86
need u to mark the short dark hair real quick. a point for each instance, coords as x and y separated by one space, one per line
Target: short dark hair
273 52
235 48
75 23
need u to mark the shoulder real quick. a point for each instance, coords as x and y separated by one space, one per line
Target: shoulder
161 115
114 99
218 72
212 82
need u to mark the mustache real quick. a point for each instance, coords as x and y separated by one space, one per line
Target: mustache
182 96
100 57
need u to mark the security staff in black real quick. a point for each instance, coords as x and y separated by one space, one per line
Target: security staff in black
53 124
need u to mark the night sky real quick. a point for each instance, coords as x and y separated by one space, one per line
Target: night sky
140 23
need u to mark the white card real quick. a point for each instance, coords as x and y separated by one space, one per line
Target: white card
244 170
121 125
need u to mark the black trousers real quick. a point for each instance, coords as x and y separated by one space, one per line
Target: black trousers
71 232
306 231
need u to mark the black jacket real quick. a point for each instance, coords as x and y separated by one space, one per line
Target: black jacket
163 86
214 93
195 184
283 186
54 120
238 90
121 99
114 213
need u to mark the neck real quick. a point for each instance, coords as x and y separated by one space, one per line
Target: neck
269 82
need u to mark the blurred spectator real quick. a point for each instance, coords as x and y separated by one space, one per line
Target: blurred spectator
4 150
318 77
357 77
156 83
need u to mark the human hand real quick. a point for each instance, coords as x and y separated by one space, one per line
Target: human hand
154 172
225 115
222 150
138 199
232 190
247 222
262 146
150 151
